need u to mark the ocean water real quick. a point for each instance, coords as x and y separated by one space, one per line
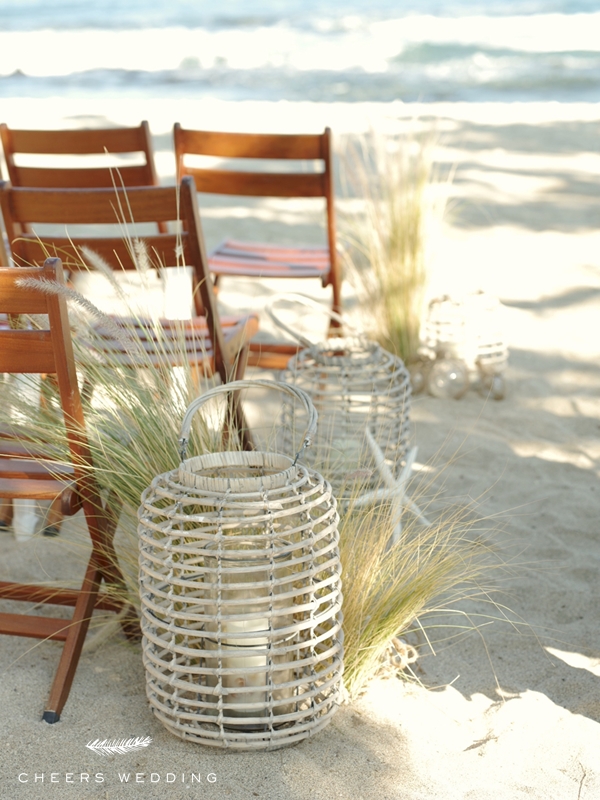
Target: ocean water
317 50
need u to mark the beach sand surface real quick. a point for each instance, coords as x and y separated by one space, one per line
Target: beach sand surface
508 710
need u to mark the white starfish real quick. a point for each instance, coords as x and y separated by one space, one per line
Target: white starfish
394 489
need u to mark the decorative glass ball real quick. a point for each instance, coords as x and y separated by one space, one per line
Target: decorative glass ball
448 379
418 377
493 386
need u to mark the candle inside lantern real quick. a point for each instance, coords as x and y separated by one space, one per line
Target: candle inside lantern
244 583
237 658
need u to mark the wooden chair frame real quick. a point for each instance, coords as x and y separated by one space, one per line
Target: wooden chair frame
232 257
25 474
222 347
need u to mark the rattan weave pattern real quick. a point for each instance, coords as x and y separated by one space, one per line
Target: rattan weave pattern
241 598
355 385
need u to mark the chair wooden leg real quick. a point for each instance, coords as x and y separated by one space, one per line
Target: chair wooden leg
235 419
241 364
4 262
69 659
102 565
334 324
337 299
6 513
239 417
112 574
48 390
87 389
54 518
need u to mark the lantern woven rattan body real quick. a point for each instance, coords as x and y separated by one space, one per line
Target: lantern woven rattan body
241 595
356 386
467 330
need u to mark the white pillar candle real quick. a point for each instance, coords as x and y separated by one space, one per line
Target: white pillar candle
236 657
244 661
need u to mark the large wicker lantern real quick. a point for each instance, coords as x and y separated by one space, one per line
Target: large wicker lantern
241 594
362 395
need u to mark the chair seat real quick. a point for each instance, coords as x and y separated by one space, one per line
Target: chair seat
32 488
19 468
233 257
198 347
253 259
25 476
14 444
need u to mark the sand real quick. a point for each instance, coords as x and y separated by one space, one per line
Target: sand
511 710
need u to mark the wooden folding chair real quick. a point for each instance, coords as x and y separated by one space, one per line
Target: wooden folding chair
233 257
43 147
215 345
25 474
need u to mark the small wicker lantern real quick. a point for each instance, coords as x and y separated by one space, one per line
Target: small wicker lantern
462 344
356 386
241 594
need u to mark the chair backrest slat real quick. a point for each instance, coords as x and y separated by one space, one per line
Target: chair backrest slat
249 145
45 351
81 141
27 352
237 180
80 177
16 299
23 350
258 184
93 206
163 250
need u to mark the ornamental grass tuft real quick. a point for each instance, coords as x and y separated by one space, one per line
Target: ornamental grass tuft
397 199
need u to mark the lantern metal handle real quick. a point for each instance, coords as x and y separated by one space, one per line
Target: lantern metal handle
302 299
235 386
